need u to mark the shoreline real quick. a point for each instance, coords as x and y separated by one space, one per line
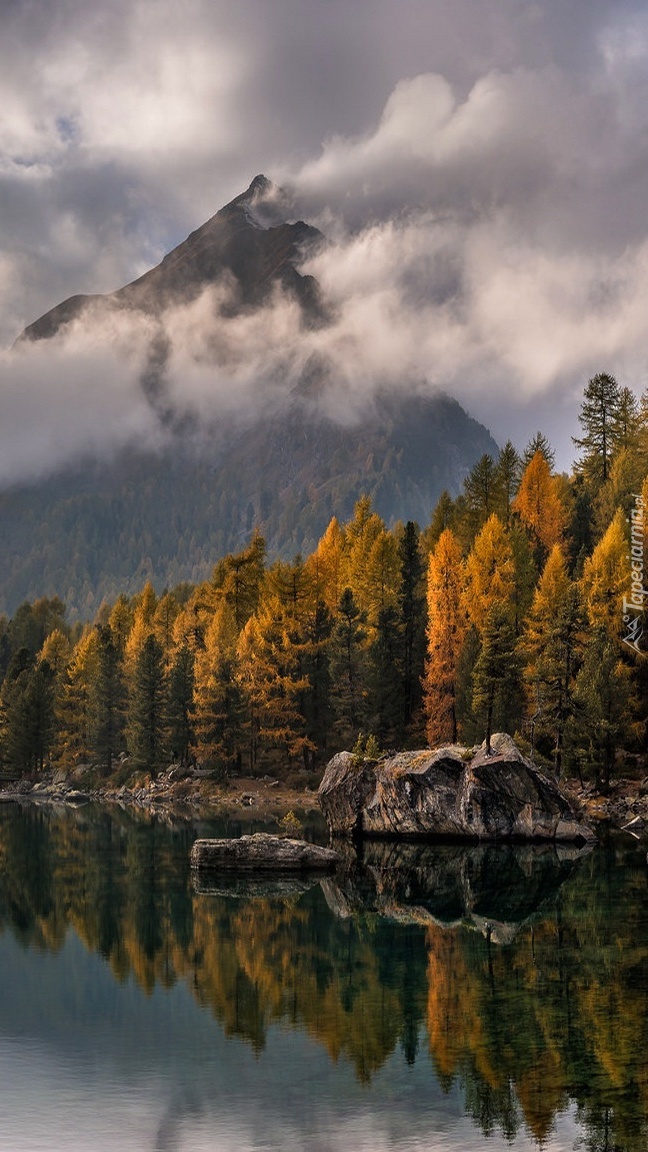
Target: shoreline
196 793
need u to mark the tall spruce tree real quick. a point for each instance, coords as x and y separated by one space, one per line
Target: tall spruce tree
386 695
181 706
107 701
497 690
599 419
348 670
412 619
147 711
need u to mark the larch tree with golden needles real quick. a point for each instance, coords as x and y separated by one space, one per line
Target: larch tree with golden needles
539 505
552 647
605 578
490 573
446 630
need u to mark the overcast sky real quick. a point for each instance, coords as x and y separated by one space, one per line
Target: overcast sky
481 166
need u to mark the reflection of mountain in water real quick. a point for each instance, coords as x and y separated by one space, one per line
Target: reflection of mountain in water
496 887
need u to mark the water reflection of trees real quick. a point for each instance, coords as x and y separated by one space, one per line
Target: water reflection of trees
555 1016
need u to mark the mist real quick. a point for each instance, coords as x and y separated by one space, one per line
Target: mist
481 178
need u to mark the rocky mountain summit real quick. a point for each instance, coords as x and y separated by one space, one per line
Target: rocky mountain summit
242 242
282 454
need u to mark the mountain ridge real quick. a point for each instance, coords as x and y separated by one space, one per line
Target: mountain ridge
285 464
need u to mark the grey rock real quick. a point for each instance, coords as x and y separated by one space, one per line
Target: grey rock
449 792
262 852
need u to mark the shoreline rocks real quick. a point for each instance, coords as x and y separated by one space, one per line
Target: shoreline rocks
449 793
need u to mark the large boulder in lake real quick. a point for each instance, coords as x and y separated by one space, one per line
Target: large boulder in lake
449 792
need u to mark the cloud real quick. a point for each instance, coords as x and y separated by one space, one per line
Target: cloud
481 169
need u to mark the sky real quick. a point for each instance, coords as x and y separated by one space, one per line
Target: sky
479 166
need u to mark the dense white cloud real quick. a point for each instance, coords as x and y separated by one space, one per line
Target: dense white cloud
481 167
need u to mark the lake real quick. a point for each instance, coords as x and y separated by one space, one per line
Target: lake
429 997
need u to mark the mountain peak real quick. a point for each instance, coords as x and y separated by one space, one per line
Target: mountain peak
248 241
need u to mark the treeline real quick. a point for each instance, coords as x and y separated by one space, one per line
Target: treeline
519 607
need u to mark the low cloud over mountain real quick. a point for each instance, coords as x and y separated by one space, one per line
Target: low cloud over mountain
480 171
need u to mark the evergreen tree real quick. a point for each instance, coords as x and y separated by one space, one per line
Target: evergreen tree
412 619
107 702
348 670
27 721
497 694
508 471
219 718
315 664
239 579
147 718
599 419
552 647
538 443
603 697
480 495
181 706
580 528
443 517
386 696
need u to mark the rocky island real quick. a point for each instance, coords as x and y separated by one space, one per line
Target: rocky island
451 793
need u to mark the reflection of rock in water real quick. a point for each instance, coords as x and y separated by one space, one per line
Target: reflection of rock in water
495 886
267 887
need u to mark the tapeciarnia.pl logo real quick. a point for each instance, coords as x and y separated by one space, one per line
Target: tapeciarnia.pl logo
634 604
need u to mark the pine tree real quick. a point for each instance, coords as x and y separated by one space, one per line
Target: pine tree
446 631
181 705
386 696
443 517
239 579
219 716
552 647
273 683
315 664
603 699
348 670
538 443
107 702
412 619
496 677
147 718
27 720
599 417
508 471
480 495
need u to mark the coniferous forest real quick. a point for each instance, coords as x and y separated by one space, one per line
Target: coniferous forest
518 607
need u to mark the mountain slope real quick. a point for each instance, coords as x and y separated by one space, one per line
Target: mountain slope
285 462
239 242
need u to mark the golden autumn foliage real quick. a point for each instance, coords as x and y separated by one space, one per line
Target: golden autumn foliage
446 630
538 503
606 578
490 573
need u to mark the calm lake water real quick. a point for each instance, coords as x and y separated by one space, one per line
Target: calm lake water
429 998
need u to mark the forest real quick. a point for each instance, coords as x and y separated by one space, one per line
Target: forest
518 607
